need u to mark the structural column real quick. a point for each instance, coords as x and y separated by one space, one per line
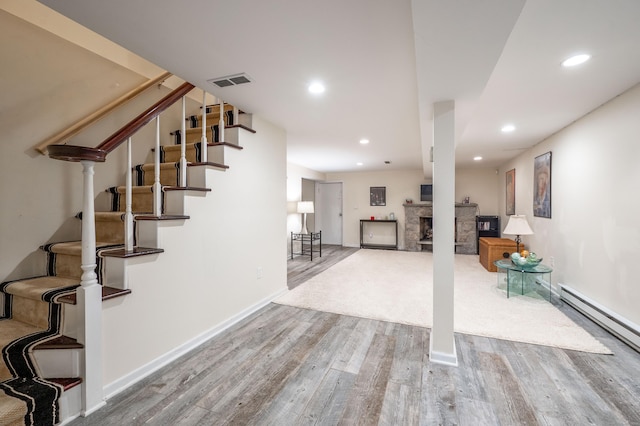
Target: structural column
442 347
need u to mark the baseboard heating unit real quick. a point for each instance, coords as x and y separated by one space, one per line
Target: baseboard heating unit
620 327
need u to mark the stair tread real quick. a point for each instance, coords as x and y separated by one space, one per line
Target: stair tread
209 163
11 330
74 248
151 166
107 293
163 217
32 288
60 342
66 382
137 251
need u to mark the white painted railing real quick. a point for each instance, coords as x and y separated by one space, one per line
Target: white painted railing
203 155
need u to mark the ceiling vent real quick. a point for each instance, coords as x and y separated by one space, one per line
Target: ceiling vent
230 80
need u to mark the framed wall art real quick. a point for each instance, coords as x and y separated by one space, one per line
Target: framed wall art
511 192
378 195
542 185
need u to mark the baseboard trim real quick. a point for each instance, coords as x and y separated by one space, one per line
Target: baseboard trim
115 387
619 326
443 358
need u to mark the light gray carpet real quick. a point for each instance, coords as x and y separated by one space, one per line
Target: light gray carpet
396 286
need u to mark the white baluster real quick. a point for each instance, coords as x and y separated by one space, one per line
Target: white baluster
157 188
183 147
128 213
89 300
236 115
203 156
221 122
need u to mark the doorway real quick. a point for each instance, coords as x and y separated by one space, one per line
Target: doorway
329 212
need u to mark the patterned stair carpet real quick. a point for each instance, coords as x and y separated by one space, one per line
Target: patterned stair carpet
32 314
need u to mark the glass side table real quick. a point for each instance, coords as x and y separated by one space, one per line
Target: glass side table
524 280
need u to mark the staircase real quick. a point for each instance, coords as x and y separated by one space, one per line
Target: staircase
40 371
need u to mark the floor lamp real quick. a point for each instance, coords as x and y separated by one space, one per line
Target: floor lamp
305 207
517 226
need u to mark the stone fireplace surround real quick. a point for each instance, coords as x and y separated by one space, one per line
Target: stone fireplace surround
466 239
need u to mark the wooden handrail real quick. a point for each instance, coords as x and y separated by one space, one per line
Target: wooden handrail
97 115
99 153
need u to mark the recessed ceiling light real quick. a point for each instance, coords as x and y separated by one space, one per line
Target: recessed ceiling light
364 141
316 88
508 128
477 158
576 60
358 164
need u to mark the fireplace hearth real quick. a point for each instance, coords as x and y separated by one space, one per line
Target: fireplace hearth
418 234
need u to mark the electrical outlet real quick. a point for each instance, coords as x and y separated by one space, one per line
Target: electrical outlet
370 235
259 272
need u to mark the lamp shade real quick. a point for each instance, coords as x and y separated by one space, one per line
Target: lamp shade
518 225
305 206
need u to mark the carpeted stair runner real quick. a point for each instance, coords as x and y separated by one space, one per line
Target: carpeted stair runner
32 314
34 308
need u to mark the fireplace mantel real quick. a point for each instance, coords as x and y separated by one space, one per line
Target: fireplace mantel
465 226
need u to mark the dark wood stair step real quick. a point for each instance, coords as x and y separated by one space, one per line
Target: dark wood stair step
60 342
66 382
107 293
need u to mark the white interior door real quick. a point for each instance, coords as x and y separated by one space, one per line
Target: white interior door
329 212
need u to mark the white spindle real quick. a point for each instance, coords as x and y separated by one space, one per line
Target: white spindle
221 122
128 213
157 188
183 147
204 143
89 301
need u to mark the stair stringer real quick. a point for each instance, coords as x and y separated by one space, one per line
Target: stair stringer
206 278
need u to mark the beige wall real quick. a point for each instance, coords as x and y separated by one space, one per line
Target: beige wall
593 235
481 185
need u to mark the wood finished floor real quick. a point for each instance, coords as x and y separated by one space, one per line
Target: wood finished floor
290 366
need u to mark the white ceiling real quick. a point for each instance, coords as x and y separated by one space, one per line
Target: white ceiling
385 63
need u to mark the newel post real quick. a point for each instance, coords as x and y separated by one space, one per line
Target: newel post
89 300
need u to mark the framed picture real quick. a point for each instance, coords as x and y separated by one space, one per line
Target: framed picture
378 196
511 192
542 185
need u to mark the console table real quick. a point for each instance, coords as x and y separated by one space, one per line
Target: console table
524 279
393 246
307 244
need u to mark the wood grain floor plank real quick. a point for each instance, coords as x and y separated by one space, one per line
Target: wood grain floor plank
301 387
367 396
329 400
254 395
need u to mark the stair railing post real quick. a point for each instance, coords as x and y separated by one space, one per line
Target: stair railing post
236 118
203 156
89 300
221 122
157 188
183 147
128 213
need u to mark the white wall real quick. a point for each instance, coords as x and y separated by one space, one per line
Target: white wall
594 232
228 258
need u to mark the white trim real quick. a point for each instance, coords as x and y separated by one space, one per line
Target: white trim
117 386
443 358
619 326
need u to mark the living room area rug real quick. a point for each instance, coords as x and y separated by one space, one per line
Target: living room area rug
397 286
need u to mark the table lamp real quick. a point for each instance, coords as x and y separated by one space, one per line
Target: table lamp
305 207
517 226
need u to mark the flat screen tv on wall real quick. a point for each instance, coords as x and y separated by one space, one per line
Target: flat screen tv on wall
426 192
